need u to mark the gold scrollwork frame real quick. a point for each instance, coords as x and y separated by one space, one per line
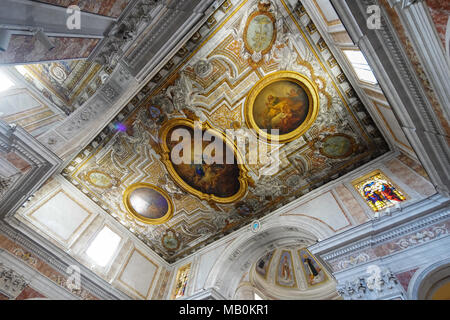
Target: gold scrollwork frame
165 158
313 97
136 215
247 24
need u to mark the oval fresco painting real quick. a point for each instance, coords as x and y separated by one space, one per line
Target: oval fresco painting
260 32
208 179
100 179
148 203
284 101
337 146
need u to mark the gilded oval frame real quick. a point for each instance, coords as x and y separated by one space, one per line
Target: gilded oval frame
313 97
136 215
274 33
89 179
165 158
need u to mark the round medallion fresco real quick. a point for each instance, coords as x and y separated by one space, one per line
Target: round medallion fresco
260 32
337 146
58 73
148 203
285 101
100 179
170 240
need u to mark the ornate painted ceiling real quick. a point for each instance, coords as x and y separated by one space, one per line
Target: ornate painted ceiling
212 83
68 84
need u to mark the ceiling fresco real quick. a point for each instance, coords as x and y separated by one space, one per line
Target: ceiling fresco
213 83
68 84
283 271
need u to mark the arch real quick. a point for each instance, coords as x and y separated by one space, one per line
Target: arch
244 291
427 279
271 290
247 291
238 256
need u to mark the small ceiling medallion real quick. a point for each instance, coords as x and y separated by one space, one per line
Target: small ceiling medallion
256 226
338 146
170 241
100 179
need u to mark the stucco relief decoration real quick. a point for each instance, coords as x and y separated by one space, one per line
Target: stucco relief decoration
11 283
379 282
419 237
177 98
352 261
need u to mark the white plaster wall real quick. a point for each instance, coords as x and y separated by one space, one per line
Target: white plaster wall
138 275
326 209
61 216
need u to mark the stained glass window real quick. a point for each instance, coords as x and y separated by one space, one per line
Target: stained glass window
181 282
378 192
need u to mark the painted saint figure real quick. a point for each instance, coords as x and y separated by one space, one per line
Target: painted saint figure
181 284
285 113
285 269
313 271
380 194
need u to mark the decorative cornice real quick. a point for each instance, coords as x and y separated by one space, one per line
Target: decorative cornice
403 3
394 233
378 231
124 32
42 163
